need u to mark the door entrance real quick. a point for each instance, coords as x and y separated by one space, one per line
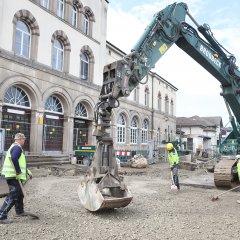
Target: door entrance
16 121
52 133
80 132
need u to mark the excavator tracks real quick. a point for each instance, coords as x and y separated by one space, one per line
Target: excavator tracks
223 173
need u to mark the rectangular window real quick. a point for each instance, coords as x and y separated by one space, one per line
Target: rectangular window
144 136
146 99
60 8
159 104
84 70
74 17
45 3
26 45
57 59
135 95
60 61
121 134
18 43
85 25
133 138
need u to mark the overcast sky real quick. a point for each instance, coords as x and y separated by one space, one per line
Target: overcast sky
198 91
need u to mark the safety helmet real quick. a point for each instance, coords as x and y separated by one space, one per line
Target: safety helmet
169 146
19 136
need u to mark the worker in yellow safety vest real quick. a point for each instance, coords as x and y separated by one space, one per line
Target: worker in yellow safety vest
14 169
173 160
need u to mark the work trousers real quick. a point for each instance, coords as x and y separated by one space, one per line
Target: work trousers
14 198
175 175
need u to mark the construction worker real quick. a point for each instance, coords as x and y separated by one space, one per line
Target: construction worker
173 160
14 169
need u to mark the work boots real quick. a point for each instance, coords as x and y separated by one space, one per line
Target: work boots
5 221
23 214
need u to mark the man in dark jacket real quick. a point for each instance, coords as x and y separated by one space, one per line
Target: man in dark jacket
15 170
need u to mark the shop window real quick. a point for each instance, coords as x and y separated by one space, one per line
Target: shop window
16 96
81 111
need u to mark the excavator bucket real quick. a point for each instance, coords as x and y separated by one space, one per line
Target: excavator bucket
110 192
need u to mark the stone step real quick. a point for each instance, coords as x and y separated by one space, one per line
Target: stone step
37 157
47 163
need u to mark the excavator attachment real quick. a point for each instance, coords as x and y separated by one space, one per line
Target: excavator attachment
102 187
225 173
110 192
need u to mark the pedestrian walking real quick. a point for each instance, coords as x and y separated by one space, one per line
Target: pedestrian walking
173 160
14 169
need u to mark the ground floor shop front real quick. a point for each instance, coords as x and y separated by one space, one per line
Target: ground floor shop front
56 113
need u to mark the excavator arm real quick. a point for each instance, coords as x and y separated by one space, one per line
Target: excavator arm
102 186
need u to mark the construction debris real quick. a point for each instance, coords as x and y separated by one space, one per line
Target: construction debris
138 161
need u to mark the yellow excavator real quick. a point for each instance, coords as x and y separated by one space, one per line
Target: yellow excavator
102 187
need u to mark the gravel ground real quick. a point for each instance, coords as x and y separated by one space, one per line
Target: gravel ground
154 213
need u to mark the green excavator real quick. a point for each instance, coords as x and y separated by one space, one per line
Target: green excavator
102 187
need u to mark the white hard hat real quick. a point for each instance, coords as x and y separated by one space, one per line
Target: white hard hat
237 157
19 136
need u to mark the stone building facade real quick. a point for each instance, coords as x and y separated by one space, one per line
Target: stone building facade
52 54
146 118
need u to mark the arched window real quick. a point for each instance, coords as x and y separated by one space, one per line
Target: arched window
121 129
53 125
74 16
146 96
81 111
134 133
84 66
158 136
45 3
171 107
87 20
53 104
60 8
165 135
57 57
86 24
25 35
159 101
145 131
16 115
16 96
23 39
135 94
166 105
61 49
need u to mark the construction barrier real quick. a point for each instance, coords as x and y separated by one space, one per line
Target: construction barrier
123 155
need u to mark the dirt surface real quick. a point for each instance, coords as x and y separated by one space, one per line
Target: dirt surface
154 213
